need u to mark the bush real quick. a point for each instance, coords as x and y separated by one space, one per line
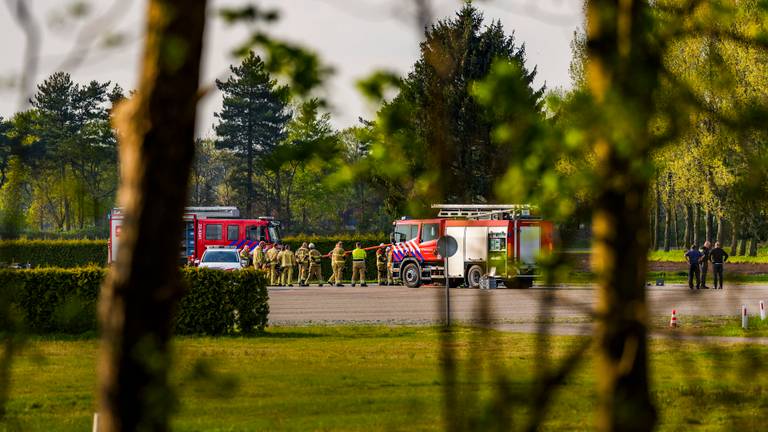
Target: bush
55 300
326 244
54 253
219 302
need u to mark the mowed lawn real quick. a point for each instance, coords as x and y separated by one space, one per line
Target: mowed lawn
385 378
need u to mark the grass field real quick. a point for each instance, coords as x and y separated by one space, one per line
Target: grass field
383 378
677 255
715 326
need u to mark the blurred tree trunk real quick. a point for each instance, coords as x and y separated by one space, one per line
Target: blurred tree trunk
720 229
734 236
657 216
688 236
139 297
667 227
622 75
753 244
668 214
696 217
675 227
708 226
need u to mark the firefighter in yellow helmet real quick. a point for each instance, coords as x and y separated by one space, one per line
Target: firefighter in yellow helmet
302 261
245 254
258 256
390 259
381 265
314 266
337 264
358 265
271 257
287 261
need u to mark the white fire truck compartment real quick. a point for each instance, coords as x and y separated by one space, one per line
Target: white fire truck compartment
476 244
456 262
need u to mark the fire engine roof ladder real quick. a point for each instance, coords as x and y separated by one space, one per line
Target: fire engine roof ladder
483 211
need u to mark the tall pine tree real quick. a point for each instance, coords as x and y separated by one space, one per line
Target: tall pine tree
252 124
442 128
77 139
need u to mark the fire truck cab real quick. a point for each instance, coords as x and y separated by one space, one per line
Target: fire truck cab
205 227
499 243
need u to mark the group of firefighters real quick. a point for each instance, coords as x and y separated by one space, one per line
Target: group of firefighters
279 261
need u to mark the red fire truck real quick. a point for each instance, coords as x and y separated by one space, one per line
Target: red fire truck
498 242
207 226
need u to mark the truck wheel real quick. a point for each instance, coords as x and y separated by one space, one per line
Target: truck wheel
411 275
474 274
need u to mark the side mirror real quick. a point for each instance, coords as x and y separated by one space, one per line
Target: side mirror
243 263
196 262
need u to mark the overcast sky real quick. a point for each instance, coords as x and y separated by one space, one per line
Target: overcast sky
355 37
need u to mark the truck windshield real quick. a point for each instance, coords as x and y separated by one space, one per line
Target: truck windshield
273 235
405 232
221 256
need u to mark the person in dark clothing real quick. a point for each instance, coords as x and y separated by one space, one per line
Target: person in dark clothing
705 263
718 258
693 257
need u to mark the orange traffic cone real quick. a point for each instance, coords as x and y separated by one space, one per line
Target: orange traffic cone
673 319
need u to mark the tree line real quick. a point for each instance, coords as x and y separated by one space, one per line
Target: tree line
271 156
440 138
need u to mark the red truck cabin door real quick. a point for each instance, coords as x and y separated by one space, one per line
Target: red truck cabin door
406 233
431 230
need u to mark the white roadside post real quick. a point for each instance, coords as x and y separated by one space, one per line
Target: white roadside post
95 422
762 311
744 320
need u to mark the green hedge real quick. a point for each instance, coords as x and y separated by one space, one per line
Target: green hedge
326 244
81 253
55 300
54 253
221 302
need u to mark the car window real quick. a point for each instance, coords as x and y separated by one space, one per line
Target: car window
430 232
213 232
233 232
220 257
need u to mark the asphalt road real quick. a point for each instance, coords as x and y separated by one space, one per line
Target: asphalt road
382 304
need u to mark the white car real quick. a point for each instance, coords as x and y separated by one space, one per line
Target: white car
222 259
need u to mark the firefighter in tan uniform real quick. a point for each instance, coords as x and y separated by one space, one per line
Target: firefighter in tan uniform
314 257
302 261
381 265
390 258
258 256
337 264
245 254
271 257
287 260
358 265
